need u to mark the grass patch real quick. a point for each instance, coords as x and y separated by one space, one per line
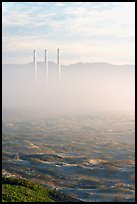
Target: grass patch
22 190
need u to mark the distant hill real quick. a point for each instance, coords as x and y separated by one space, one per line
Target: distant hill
14 71
22 69
75 65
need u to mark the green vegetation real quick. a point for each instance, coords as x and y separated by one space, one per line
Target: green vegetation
22 190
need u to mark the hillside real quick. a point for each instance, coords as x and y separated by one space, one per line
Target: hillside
22 190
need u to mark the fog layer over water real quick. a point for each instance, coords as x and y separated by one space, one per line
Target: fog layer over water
71 147
83 88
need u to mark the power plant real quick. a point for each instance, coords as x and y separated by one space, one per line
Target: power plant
46 64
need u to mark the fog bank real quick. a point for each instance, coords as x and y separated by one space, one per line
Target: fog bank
83 88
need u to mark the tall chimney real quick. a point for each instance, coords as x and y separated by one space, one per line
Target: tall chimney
46 64
58 63
35 65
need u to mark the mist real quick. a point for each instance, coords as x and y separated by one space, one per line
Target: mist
84 88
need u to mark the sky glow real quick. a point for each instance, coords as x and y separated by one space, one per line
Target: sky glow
84 31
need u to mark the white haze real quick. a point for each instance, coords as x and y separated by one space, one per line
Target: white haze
84 88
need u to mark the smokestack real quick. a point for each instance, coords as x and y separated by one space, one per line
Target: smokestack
46 64
35 65
58 63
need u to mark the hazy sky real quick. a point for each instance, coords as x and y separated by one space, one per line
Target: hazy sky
84 31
